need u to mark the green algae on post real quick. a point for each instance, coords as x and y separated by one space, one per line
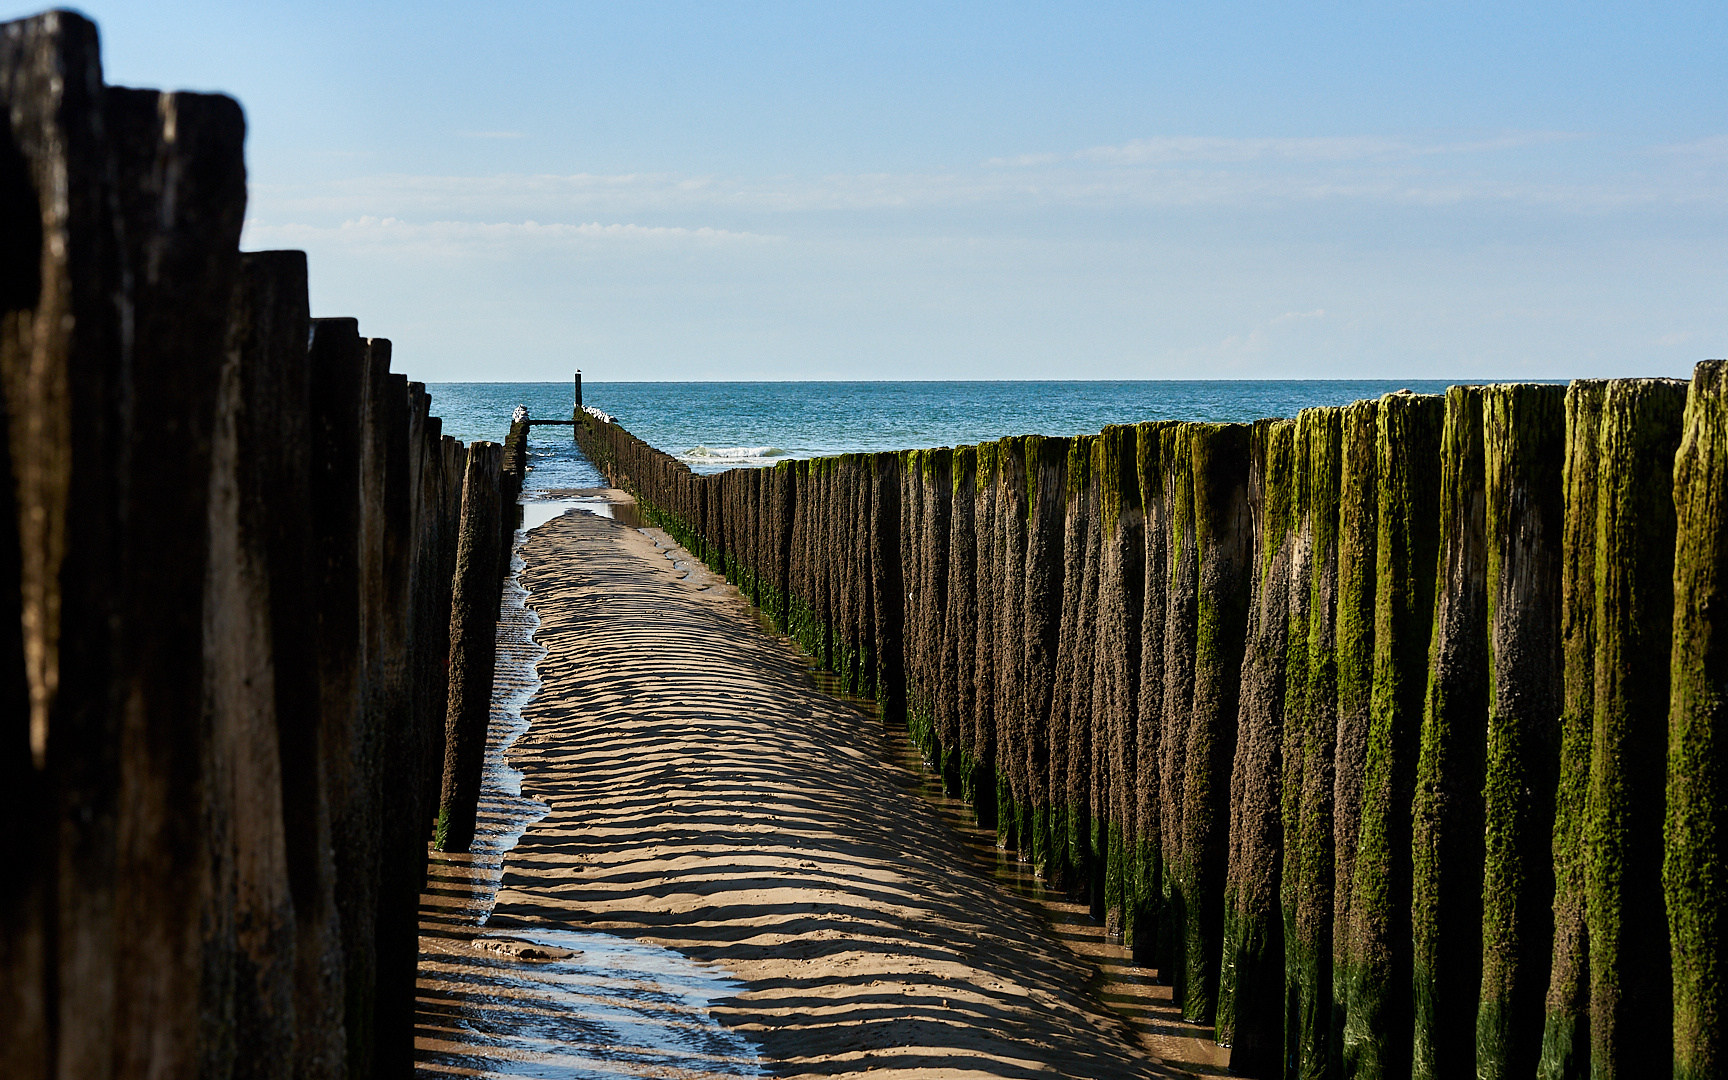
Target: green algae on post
1377 965
1141 922
1631 1004
1251 982
1181 574
1524 430
1566 1012
1358 530
1446 826
1121 588
1222 537
1065 863
1693 872
1311 735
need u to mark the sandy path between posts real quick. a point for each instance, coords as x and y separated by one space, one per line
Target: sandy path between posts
703 797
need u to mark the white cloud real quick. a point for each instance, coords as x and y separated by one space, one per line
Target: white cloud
1299 316
493 134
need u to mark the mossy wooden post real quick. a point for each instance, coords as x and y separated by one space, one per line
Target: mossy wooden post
1524 429
1046 465
1066 861
885 586
1250 1017
1377 965
1692 871
1631 992
1566 1010
1013 792
1089 710
1181 576
984 642
473 649
1446 822
1358 532
960 621
1142 922
937 490
1223 536
1310 741
1121 601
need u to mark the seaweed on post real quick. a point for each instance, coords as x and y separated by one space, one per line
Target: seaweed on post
1120 522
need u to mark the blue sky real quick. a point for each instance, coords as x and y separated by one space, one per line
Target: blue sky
702 191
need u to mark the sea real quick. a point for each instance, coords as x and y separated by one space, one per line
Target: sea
714 426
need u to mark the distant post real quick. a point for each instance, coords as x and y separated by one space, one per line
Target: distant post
575 413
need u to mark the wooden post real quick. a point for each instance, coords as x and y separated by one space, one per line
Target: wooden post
576 413
180 183
473 648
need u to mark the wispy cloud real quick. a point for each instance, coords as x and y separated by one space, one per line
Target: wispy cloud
466 238
493 134
1172 172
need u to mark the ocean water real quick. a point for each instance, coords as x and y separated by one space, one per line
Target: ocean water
714 426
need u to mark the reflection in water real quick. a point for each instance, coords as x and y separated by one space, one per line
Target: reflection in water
539 1001
601 1006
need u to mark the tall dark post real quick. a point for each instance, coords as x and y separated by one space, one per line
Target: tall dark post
577 411
473 645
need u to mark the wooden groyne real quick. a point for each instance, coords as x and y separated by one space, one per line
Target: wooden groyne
1390 735
231 533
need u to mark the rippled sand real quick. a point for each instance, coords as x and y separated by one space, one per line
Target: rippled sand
703 798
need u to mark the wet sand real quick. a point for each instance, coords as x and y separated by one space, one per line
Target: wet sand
704 797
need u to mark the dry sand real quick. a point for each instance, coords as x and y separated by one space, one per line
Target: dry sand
704 797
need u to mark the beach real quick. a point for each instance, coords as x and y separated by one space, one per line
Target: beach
704 797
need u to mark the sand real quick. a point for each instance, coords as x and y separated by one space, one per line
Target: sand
703 796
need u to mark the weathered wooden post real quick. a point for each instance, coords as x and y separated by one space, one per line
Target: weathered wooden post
258 778
338 381
1223 535
181 195
1251 998
1692 871
1446 839
1524 432
1358 530
1566 1014
1142 924
1311 741
1377 966
473 647
61 370
1631 988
